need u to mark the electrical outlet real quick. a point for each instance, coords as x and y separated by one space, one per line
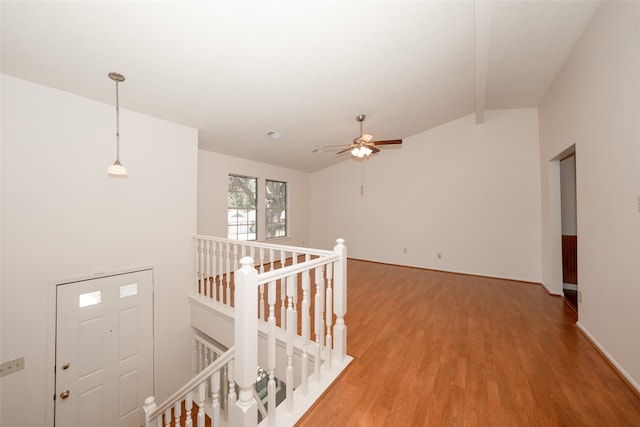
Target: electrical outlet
12 366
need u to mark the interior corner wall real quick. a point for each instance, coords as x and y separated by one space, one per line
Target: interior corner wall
468 192
594 103
64 218
213 172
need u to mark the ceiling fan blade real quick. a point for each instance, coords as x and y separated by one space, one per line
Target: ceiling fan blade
387 142
337 146
344 151
366 137
373 149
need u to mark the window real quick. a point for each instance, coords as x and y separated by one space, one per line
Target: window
275 209
89 299
241 207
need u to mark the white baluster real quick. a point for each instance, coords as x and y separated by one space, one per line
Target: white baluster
201 272
231 399
208 362
291 333
329 315
220 247
211 268
227 271
246 342
200 403
261 311
177 413
306 319
188 405
215 400
197 267
271 355
214 245
340 298
235 257
294 261
319 319
167 417
272 257
194 356
283 293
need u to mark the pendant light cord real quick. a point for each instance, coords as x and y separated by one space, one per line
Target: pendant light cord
117 125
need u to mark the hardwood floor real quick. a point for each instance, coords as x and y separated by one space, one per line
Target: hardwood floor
441 349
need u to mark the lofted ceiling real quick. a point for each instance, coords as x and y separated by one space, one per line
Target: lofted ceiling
306 69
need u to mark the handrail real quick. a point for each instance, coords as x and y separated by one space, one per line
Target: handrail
296 268
257 244
261 408
193 382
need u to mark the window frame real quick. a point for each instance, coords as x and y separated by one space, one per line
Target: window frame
250 224
283 208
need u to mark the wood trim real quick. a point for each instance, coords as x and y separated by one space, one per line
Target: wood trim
606 357
570 259
486 276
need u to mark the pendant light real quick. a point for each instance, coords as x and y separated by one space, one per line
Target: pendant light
116 169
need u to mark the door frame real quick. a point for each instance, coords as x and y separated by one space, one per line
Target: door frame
555 218
52 328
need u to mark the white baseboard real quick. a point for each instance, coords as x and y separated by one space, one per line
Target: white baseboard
633 383
570 286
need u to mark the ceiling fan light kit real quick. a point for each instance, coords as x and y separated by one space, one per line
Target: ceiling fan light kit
361 152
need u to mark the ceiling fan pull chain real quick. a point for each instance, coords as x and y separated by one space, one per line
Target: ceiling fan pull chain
362 178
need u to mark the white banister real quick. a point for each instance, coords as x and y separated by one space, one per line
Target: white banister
246 341
154 413
265 294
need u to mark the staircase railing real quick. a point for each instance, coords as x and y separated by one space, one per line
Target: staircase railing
280 267
291 295
170 411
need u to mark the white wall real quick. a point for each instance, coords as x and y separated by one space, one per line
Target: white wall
63 217
568 195
595 104
470 192
213 171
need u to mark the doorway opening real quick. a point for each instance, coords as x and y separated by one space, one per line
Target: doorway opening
569 229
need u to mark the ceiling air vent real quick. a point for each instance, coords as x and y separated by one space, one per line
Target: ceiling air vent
273 134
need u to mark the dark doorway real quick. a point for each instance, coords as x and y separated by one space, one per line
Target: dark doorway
569 230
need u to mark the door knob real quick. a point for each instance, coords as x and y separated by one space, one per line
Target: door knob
64 394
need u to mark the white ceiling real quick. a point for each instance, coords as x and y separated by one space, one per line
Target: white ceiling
305 69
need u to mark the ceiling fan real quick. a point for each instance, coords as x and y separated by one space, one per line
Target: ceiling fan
363 146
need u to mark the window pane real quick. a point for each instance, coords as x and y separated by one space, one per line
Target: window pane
91 298
275 209
241 207
128 290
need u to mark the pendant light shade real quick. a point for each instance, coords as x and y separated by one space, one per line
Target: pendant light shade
116 169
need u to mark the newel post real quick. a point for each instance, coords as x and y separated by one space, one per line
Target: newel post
246 341
148 407
340 300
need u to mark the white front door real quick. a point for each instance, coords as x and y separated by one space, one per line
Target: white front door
104 350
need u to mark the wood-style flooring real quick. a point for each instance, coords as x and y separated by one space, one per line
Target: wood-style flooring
441 349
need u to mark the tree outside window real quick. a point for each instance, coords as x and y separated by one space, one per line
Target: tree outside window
242 207
276 209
